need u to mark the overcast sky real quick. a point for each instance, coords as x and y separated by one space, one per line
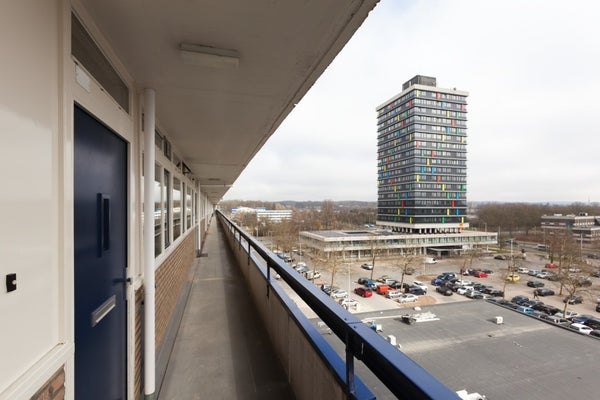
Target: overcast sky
532 70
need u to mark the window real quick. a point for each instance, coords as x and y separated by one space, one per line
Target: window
85 50
158 210
188 207
167 207
176 208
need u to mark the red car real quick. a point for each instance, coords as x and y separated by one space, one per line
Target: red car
551 265
364 292
479 274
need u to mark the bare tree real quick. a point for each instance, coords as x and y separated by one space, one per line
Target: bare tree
375 250
405 262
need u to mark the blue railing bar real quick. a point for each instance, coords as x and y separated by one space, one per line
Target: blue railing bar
401 375
327 353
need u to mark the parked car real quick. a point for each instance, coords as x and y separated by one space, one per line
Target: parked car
595 333
463 290
474 294
363 292
382 289
479 274
301 269
555 319
595 274
392 294
495 292
368 266
500 257
553 277
526 310
544 292
339 293
446 291
447 276
574 299
312 275
519 299
437 281
420 284
551 265
348 303
546 308
582 319
535 284
417 290
584 281
408 298
362 280
567 314
328 288
581 328
513 277
533 272
398 285
543 275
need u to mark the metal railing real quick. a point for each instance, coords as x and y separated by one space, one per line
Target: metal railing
401 375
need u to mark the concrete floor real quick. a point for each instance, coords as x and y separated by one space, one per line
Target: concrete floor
222 350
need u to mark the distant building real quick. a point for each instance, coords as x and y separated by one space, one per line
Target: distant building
265 215
583 226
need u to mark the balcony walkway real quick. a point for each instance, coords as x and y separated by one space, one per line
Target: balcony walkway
222 350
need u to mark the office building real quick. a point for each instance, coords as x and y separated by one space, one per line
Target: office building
422 159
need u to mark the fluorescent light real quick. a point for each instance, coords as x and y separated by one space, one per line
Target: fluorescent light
205 56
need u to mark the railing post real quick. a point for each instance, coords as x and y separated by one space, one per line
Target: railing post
350 389
249 250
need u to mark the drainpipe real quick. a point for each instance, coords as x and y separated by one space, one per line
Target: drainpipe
148 246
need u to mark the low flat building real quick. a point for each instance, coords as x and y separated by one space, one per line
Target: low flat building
358 244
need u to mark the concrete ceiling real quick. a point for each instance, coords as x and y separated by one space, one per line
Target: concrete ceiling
218 118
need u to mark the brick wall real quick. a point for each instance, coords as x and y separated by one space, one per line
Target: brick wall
53 389
169 277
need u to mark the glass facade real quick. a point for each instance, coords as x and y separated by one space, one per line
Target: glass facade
422 158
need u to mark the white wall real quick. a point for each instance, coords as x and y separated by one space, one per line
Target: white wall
29 199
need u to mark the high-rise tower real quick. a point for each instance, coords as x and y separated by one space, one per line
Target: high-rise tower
422 159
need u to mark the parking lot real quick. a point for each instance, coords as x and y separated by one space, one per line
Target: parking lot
348 274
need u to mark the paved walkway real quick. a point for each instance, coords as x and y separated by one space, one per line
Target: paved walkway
222 350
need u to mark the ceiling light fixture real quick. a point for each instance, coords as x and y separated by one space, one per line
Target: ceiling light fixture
205 56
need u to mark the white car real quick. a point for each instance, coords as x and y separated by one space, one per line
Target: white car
463 282
408 298
420 285
581 328
568 314
310 275
463 290
348 303
392 294
523 270
367 266
543 275
339 293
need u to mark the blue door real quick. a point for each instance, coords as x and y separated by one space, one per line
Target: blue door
100 247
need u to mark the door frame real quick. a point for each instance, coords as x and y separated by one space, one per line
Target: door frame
105 110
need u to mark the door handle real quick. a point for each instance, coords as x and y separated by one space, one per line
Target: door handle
103 205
